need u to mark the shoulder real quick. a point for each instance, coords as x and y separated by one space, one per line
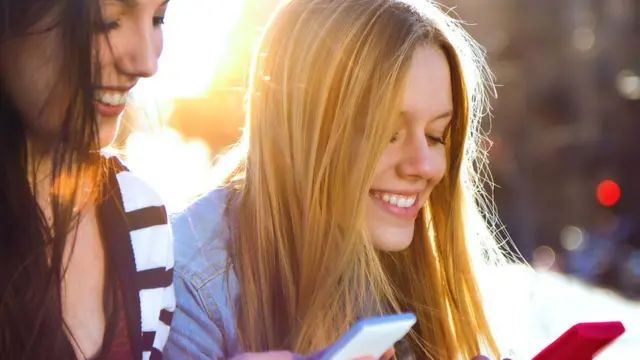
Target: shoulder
202 233
144 214
136 193
139 210
206 287
132 209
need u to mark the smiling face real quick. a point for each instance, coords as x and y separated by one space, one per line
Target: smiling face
128 45
415 160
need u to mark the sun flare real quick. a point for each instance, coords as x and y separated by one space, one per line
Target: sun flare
196 34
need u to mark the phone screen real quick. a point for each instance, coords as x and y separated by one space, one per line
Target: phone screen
371 337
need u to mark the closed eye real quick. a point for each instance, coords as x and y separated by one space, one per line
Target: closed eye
435 140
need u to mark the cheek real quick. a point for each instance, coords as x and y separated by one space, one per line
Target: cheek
30 69
105 48
439 166
385 165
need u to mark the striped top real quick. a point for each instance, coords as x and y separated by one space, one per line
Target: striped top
134 224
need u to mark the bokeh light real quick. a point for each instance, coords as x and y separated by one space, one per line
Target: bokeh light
544 258
628 85
608 193
572 238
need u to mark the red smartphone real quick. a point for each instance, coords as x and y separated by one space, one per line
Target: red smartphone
582 341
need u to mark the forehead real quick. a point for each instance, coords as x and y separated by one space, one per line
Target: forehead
428 90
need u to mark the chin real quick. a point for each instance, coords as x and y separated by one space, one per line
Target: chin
108 131
397 243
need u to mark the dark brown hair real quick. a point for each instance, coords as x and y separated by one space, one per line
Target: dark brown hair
31 323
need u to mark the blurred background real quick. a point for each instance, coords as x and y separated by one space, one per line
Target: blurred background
566 139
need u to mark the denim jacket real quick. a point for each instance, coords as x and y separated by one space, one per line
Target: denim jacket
203 323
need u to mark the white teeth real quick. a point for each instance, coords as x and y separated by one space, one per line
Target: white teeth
399 201
112 98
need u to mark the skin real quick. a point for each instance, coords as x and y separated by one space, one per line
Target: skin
415 160
128 48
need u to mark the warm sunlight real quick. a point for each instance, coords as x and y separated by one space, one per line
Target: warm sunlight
150 154
196 33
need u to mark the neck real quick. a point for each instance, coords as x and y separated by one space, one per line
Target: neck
74 187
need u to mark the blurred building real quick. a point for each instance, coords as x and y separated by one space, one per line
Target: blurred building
564 121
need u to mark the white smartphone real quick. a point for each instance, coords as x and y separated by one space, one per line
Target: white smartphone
371 337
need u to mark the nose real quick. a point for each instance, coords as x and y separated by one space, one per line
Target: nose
139 57
418 162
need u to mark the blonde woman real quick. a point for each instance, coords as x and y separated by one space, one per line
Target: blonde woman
354 191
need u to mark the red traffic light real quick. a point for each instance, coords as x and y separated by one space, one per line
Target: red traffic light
608 193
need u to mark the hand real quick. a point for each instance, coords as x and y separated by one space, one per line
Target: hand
482 357
285 355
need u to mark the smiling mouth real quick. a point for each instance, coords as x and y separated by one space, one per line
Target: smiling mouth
405 206
401 201
112 98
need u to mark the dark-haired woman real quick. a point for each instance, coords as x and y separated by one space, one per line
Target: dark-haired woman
85 250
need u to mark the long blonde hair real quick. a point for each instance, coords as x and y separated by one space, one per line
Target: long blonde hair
324 100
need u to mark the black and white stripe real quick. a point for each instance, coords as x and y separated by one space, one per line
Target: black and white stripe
145 262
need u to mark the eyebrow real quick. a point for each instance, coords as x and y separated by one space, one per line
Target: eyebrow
445 115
